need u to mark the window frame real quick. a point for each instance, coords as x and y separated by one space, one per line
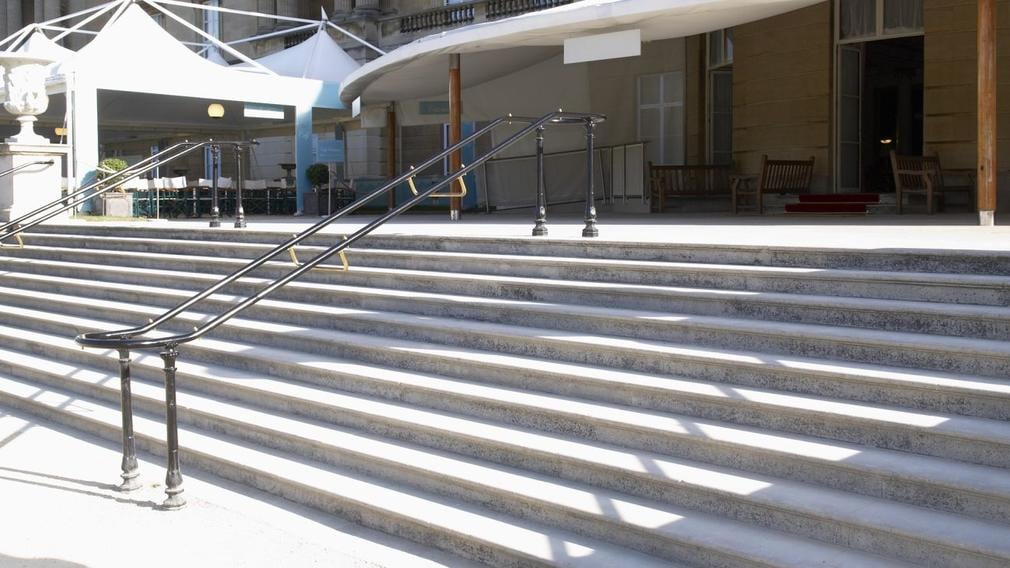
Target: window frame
878 33
662 107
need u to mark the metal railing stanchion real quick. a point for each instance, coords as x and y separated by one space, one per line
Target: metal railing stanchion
173 477
590 229
215 172
130 468
540 229
239 208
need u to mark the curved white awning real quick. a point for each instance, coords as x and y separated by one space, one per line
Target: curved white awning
501 47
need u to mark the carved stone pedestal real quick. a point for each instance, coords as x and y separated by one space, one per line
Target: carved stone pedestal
35 186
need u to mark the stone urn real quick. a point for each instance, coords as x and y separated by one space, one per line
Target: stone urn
24 79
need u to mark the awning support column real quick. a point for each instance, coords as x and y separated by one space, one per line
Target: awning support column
391 153
85 135
455 128
986 112
303 153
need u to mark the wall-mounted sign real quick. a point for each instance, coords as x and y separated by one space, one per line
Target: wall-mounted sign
255 110
434 107
603 46
330 151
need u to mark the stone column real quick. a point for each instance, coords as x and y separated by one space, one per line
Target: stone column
367 7
342 7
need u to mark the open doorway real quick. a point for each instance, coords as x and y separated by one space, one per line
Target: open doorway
879 100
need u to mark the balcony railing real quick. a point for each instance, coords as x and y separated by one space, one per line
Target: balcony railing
467 13
497 9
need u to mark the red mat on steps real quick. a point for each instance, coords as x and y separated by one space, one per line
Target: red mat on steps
839 197
826 208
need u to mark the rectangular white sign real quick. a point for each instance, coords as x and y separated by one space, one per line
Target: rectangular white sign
603 46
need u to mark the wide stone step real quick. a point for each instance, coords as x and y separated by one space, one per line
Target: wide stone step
948 485
912 260
671 335
969 439
529 301
474 532
910 533
948 288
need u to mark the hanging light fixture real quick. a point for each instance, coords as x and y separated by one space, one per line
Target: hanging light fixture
216 111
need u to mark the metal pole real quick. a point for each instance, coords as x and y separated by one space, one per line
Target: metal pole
590 229
173 477
215 167
540 229
239 209
129 465
390 154
987 112
455 128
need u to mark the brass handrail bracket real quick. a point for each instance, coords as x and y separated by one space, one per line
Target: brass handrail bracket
460 193
344 264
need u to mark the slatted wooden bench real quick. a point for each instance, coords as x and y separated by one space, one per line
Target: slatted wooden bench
699 181
777 176
923 175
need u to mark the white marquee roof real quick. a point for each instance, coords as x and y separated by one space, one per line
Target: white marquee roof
497 48
135 54
318 57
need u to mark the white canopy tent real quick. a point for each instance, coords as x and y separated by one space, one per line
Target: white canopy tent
149 60
318 57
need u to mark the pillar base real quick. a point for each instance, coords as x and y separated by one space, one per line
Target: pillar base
454 215
35 186
986 218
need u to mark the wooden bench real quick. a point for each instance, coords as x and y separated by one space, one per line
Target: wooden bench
923 175
777 176
701 181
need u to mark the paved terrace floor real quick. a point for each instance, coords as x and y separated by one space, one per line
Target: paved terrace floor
948 231
60 509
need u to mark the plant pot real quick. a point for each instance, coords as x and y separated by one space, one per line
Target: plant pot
116 204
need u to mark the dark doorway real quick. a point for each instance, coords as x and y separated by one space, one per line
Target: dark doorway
892 107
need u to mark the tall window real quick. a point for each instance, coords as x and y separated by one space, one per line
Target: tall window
661 116
720 96
860 20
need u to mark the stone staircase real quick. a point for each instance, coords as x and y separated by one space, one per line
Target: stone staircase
526 403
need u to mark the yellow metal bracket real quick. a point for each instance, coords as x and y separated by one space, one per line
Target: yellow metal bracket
460 193
345 266
17 237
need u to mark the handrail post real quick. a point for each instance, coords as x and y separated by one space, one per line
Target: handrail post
540 229
173 477
215 167
590 229
239 209
130 468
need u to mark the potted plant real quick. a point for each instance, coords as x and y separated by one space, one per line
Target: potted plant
117 202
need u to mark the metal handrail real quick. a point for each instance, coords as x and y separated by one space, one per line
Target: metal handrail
16 169
125 340
92 190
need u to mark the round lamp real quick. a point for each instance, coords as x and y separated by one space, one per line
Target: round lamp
216 111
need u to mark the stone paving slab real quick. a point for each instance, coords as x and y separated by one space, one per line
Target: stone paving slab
948 231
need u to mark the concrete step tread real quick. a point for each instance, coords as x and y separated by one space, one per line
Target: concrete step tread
532 540
933 309
896 341
994 431
893 518
966 427
705 532
872 461
923 278
922 379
